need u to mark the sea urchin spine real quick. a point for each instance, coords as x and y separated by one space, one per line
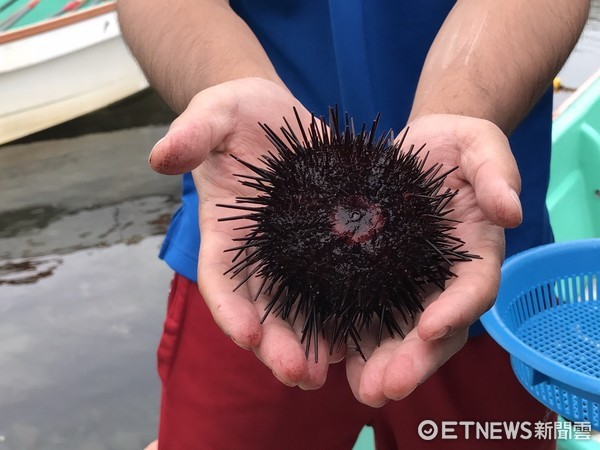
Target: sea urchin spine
347 230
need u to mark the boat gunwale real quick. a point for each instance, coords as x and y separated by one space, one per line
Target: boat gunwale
565 105
53 24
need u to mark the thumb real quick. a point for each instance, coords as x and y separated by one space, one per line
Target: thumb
490 167
208 120
484 158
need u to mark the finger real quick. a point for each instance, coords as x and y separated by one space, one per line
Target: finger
207 121
357 360
471 293
337 353
317 368
317 356
490 167
280 350
280 347
415 360
365 378
231 308
283 349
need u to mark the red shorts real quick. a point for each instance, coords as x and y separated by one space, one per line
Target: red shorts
217 396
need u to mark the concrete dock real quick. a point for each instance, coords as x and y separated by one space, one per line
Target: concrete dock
82 291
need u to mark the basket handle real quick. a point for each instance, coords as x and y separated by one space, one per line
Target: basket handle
534 377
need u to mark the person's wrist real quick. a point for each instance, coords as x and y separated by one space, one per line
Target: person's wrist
462 107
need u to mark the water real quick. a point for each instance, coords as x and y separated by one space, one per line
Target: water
82 293
77 350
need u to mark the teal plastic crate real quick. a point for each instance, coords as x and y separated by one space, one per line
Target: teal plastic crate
366 440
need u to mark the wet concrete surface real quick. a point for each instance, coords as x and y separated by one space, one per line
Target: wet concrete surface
77 351
82 292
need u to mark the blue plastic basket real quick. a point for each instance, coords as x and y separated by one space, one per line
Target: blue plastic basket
547 316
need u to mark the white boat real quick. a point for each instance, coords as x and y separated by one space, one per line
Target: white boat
61 67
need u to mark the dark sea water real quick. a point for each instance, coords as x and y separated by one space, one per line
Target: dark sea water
82 292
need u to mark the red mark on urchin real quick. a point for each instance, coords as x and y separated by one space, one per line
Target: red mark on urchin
357 220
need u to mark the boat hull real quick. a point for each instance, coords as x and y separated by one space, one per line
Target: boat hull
64 72
574 192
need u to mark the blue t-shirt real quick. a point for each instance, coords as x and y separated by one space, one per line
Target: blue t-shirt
366 57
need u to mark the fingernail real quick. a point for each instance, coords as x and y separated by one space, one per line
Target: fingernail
238 344
158 143
517 201
155 145
441 333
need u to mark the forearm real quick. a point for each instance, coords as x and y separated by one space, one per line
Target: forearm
188 45
494 59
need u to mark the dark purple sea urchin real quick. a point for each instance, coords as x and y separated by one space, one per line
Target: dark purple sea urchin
347 230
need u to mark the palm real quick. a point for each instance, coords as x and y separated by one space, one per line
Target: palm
275 341
396 367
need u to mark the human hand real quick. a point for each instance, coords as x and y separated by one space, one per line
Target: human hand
220 121
487 201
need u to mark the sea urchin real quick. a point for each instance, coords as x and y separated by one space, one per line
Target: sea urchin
347 230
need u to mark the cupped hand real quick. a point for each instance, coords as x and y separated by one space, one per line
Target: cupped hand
224 119
220 121
488 184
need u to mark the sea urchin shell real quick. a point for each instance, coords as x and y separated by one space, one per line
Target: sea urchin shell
347 230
